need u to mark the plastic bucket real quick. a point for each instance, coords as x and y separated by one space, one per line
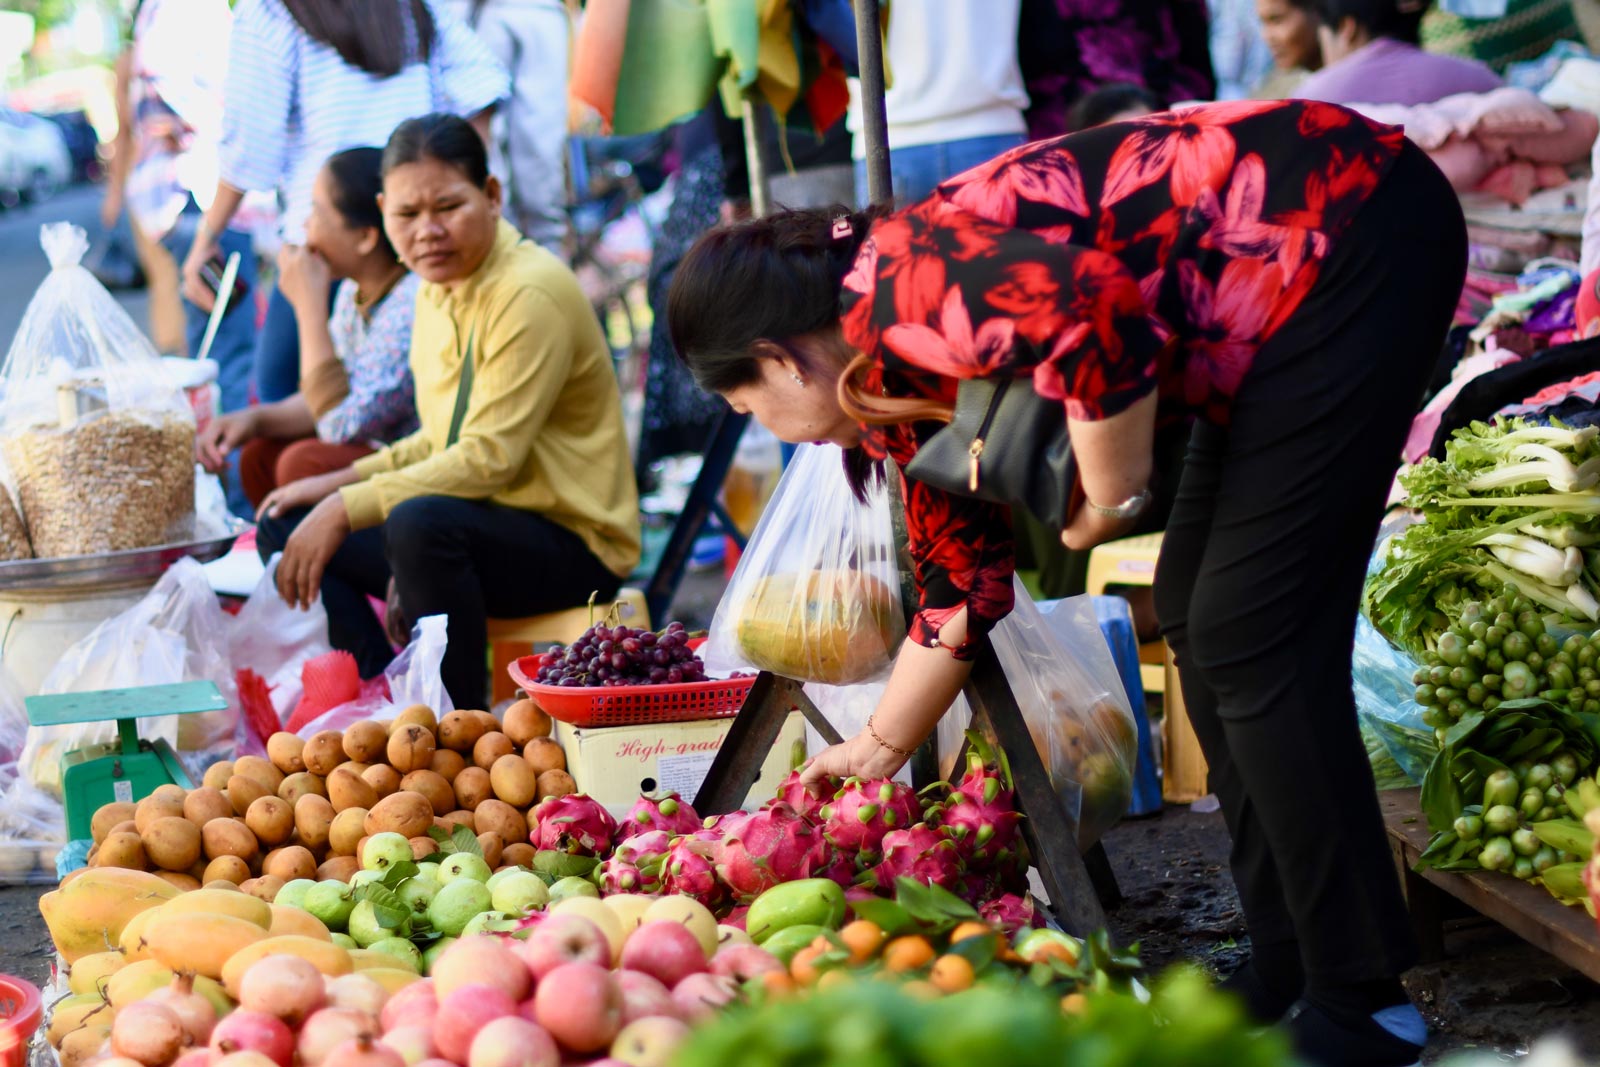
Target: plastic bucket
20 1011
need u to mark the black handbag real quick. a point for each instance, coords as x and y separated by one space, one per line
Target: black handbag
1002 442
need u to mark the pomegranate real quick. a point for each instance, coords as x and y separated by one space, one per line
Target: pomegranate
666 951
247 1058
481 959
356 992
195 1057
281 985
328 1028
414 1043
363 1051
149 1033
644 996
581 1005
416 1002
193 1010
513 1042
700 995
253 1031
463 1013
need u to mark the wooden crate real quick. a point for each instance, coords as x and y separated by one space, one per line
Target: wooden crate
1184 769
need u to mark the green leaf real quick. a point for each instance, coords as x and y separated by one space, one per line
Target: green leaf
558 865
890 917
390 911
978 951
464 840
400 872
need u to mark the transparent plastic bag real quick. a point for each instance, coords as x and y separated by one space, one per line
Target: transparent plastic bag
275 640
31 822
816 594
175 633
413 678
847 708
1070 693
98 437
1399 744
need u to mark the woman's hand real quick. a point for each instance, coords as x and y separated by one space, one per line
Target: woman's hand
308 550
221 436
859 755
1089 528
204 248
304 278
301 494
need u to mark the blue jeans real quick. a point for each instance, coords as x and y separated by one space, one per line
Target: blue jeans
917 171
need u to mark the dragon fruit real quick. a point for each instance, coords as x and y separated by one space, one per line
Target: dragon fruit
801 799
669 812
839 866
736 917
1010 913
575 824
765 848
634 866
921 853
980 814
690 867
861 812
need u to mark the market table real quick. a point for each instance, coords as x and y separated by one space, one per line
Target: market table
1567 933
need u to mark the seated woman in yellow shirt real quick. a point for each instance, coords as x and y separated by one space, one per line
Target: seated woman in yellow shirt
517 494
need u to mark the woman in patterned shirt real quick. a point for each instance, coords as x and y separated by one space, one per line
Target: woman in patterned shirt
355 377
1283 272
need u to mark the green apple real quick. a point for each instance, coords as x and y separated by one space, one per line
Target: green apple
428 872
573 886
367 931
433 952
344 941
462 865
489 921
402 950
502 874
293 893
385 850
456 904
520 893
330 903
418 893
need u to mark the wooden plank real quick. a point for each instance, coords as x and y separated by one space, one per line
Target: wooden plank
1564 932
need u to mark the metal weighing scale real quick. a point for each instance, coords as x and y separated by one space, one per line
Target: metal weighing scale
129 768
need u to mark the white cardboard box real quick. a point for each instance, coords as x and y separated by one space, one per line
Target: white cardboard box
615 764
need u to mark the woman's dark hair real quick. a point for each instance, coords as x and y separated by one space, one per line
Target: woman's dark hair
381 37
1399 20
770 279
1109 101
446 138
357 175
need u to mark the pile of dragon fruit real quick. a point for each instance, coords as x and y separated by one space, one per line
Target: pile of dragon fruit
964 838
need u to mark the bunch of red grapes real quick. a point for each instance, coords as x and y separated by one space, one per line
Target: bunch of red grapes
622 655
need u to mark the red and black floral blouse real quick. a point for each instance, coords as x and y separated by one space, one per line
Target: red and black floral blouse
1075 262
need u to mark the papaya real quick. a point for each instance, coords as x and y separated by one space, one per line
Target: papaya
832 626
328 958
92 970
131 943
201 942
134 980
69 1013
221 902
287 920
84 1043
392 979
88 913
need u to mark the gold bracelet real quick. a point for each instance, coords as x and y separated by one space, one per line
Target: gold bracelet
873 730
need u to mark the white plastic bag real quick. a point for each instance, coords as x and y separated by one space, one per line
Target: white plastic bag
413 678
1070 694
31 823
275 640
816 595
174 634
98 437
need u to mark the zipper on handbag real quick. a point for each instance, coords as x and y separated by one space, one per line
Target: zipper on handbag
975 449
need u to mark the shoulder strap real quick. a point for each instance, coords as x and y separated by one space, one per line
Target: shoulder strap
883 410
463 393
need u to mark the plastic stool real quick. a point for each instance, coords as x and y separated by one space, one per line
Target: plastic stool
1131 561
1116 623
510 639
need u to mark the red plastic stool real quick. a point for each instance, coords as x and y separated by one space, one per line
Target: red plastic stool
20 1010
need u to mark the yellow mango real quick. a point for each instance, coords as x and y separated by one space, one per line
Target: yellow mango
221 902
392 979
325 956
92 970
69 1013
87 914
80 1046
287 920
133 981
131 943
365 959
201 943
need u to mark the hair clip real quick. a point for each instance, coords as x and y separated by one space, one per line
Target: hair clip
842 228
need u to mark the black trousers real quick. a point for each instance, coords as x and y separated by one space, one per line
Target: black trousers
1261 571
469 560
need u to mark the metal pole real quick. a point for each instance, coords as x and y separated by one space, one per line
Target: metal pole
874 119
757 117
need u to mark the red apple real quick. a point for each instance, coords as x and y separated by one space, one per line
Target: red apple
649 1042
412 1005
700 995
666 951
513 1042
463 1013
561 939
644 996
744 962
581 1005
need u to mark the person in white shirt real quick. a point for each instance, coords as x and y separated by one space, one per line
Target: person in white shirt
956 97
308 78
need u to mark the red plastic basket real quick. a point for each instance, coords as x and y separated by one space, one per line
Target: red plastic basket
631 705
20 1010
